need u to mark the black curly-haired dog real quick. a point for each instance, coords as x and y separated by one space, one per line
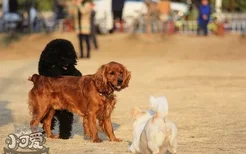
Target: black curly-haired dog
57 59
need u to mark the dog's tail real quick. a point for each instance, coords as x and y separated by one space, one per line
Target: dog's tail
33 78
31 103
160 106
162 110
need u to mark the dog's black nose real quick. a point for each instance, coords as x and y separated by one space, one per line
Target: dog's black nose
120 81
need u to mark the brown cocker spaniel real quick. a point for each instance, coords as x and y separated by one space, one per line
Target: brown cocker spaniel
91 97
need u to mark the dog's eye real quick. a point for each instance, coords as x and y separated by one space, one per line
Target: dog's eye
112 73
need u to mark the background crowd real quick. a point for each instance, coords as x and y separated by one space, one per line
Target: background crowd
90 17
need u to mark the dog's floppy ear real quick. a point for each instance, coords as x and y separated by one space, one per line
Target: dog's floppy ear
100 78
126 78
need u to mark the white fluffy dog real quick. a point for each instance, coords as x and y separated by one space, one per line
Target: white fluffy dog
153 133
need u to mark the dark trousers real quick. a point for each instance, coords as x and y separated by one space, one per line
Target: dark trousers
204 27
93 36
94 40
117 15
86 38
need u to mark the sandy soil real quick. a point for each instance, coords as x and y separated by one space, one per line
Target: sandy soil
204 80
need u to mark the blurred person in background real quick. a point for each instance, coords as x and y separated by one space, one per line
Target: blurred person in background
30 14
60 7
152 14
93 29
60 13
68 21
11 17
5 6
204 17
81 12
165 11
117 9
33 12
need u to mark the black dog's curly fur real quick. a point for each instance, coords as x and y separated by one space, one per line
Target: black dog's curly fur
57 59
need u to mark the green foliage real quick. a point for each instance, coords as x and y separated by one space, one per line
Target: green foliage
45 5
227 4
242 5
42 5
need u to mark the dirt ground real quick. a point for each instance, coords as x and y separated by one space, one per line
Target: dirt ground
204 80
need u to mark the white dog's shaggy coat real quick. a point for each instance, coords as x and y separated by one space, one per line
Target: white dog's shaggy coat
153 133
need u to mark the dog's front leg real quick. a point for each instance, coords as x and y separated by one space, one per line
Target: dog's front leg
92 126
110 131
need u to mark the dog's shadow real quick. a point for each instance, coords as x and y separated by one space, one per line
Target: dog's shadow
5 114
79 130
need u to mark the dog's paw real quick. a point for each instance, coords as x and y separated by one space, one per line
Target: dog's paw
98 140
86 137
116 140
53 136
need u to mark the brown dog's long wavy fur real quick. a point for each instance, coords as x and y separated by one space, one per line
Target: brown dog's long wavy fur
90 96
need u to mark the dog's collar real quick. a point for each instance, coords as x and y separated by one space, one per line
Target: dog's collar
105 94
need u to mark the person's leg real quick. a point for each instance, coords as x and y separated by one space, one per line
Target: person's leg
114 18
205 28
148 23
93 30
118 20
88 47
80 36
94 40
165 26
199 29
121 20
93 36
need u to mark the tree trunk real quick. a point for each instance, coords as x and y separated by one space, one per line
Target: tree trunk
232 5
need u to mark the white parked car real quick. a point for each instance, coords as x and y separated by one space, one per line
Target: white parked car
132 9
